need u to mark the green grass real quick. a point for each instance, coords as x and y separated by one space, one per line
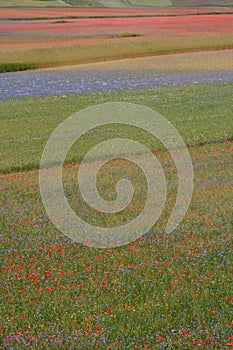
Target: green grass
194 110
161 292
13 67
126 35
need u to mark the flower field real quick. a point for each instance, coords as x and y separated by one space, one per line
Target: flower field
130 74
61 40
156 26
162 291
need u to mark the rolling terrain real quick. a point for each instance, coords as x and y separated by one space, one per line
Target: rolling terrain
116 3
33 3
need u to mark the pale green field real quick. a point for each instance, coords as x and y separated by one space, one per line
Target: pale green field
33 3
135 3
116 3
85 3
151 3
193 62
202 3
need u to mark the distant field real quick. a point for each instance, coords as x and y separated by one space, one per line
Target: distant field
201 3
39 13
151 3
135 3
110 49
87 3
162 26
33 3
47 43
116 3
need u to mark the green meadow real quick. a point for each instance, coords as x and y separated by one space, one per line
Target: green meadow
25 128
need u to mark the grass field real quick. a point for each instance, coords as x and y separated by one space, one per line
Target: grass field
161 292
21 133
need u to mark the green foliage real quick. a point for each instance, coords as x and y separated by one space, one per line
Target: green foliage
126 35
13 67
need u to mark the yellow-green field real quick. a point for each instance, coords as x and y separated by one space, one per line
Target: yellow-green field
110 49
